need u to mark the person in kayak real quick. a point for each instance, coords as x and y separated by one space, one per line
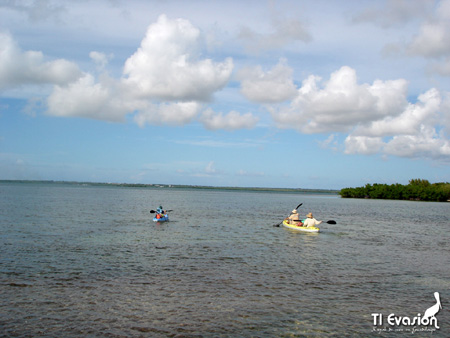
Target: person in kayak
160 212
293 218
310 221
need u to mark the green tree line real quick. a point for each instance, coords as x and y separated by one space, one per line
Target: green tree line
417 189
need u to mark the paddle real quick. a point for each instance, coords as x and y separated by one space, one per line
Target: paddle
154 212
277 225
330 222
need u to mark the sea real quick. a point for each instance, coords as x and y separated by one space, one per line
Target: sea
88 261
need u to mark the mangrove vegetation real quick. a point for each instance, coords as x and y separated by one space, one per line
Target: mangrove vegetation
416 190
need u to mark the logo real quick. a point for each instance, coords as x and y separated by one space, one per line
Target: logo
425 322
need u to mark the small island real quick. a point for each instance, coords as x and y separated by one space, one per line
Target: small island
416 190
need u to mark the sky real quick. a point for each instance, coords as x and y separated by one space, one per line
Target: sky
297 94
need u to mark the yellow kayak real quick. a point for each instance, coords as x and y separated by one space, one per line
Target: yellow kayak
299 228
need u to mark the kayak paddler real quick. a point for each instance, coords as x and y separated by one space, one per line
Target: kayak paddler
310 221
293 218
160 212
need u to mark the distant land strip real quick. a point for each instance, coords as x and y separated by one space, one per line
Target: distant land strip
178 186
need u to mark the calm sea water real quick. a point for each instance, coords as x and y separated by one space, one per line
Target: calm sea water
83 261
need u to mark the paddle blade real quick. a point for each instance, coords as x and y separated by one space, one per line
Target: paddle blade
152 211
331 222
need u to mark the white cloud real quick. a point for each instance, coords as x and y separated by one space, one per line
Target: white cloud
174 113
167 65
341 104
414 133
168 80
18 68
86 98
409 121
378 117
363 145
163 81
425 143
433 39
231 121
276 85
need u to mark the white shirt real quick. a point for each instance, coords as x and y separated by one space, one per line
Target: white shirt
311 222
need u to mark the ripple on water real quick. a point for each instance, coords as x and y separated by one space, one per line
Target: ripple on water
90 262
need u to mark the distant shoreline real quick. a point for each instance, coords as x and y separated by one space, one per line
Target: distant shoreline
178 186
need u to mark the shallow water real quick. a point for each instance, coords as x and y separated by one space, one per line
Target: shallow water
89 261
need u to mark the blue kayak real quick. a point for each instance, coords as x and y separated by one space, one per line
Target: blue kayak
164 218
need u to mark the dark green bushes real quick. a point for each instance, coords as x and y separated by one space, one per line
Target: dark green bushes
417 189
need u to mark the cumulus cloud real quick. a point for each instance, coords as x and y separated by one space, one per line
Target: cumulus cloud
164 82
425 143
231 121
168 81
167 64
363 145
341 104
172 113
433 39
413 133
89 99
108 100
275 85
409 121
19 68
377 117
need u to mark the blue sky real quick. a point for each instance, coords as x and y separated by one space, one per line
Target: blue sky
302 94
